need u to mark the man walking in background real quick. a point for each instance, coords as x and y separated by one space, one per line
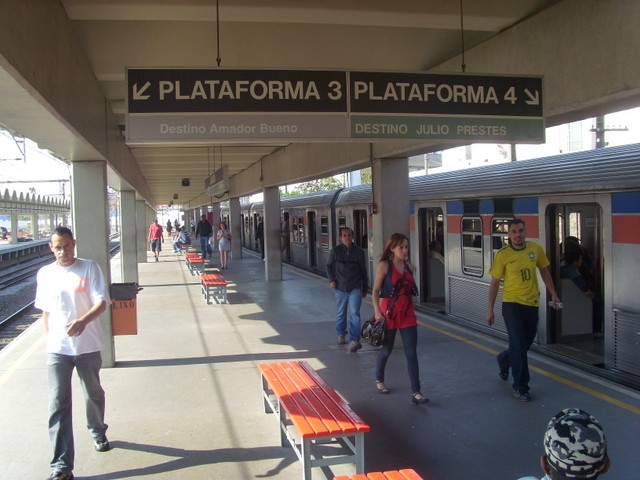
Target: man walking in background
72 295
156 238
347 272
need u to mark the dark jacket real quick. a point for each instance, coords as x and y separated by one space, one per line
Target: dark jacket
348 268
204 229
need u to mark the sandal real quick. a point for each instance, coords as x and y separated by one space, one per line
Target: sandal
384 390
418 398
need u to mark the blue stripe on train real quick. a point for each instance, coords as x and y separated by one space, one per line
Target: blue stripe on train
625 202
525 206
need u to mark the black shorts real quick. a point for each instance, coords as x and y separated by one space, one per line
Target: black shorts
156 245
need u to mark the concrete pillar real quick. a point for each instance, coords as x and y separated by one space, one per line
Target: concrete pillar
236 226
35 226
14 228
215 215
91 225
128 237
141 231
390 200
215 221
271 224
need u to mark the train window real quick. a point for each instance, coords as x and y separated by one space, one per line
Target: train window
302 233
472 263
294 230
342 222
298 230
499 237
324 231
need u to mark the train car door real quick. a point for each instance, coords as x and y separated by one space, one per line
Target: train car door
360 229
432 248
361 235
311 239
575 248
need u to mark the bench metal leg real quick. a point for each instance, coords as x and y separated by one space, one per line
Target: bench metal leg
305 444
284 441
359 452
265 396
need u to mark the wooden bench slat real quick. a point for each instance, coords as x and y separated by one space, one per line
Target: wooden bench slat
410 474
330 411
393 475
380 476
332 419
311 424
359 424
404 474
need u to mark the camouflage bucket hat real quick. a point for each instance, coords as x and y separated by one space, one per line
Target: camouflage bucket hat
575 445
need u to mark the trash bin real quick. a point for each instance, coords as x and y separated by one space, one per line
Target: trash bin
124 316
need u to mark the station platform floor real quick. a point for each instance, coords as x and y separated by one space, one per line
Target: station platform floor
184 398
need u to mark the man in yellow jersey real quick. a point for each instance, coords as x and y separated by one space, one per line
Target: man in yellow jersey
516 263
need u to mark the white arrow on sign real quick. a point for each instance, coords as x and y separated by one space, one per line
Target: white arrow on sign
138 94
534 98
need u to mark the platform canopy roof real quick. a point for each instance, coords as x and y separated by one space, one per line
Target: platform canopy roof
112 35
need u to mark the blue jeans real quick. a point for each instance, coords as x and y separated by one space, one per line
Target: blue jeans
348 303
522 325
410 342
60 368
205 247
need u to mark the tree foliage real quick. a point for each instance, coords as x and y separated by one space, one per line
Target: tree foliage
320 185
323 184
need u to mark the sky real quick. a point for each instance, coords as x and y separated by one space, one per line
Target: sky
560 139
31 169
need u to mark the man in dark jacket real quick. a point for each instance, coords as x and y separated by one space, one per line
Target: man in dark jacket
204 230
347 272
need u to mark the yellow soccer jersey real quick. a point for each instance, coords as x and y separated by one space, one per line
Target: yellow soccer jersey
518 269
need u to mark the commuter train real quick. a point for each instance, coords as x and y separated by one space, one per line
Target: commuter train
593 196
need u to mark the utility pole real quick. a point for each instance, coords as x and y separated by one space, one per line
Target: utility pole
599 129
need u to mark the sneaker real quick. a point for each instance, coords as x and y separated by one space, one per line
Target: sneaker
342 340
60 476
522 396
101 444
503 374
354 346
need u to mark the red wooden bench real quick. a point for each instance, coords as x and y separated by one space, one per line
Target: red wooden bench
405 474
311 413
213 286
184 247
194 262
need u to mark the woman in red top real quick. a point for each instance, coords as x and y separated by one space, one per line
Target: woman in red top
393 292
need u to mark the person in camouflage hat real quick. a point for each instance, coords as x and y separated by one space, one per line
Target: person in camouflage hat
574 447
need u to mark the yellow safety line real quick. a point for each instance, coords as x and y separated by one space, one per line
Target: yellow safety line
552 376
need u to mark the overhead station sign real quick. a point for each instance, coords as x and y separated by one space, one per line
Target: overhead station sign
204 105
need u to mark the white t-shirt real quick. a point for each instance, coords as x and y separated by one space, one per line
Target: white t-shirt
68 293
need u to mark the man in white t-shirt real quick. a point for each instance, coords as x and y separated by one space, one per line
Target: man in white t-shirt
72 295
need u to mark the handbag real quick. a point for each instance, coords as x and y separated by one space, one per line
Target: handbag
373 332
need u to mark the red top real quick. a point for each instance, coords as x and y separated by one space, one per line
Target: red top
403 314
155 231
